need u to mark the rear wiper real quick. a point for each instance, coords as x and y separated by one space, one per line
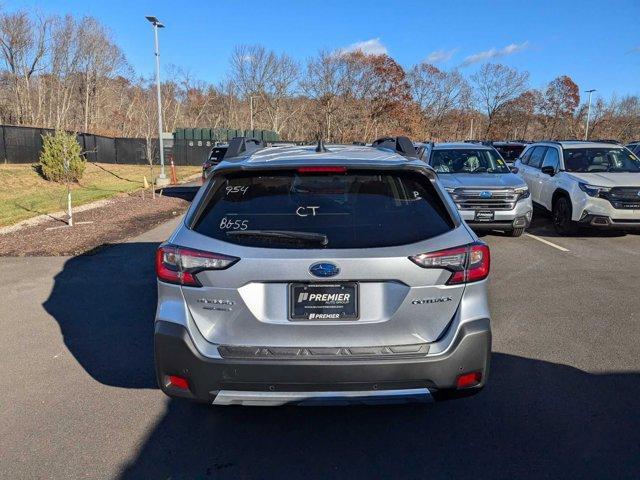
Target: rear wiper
310 237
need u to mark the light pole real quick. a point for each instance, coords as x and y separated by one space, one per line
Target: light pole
586 127
251 108
162 178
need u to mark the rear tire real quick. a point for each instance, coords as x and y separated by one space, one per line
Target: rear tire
562 211
516 232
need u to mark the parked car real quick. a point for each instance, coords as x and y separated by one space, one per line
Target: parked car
487 193
294 279
634 147
594 184
510 151
215 157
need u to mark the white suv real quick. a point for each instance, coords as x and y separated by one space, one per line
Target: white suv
594 184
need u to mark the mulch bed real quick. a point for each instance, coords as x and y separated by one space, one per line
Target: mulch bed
124 217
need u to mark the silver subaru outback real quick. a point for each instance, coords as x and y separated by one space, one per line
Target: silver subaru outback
315 275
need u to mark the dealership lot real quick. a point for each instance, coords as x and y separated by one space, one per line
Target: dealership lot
78 395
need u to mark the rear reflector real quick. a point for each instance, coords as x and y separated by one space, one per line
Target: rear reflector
322 169
178 382
469 263
468 379
180 265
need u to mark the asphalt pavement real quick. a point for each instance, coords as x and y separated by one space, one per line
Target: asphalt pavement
78 397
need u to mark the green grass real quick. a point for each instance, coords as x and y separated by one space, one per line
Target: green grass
25 194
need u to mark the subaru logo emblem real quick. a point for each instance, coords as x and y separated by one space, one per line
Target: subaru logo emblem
486 194
324 269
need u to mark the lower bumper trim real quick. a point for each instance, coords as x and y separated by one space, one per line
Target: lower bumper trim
239 397
602 221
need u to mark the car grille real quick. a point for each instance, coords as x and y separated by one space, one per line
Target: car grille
326 353
477 199
623 198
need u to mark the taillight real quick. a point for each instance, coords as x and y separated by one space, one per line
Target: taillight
467 264
320 169
180 265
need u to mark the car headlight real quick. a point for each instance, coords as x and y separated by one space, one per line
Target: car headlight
523 192
593 190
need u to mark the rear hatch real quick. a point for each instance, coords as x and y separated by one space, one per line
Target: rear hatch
323 259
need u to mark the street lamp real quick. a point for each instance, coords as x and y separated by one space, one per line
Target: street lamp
586 128
251 108
162 178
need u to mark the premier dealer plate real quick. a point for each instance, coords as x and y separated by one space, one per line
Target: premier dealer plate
484 216
323 301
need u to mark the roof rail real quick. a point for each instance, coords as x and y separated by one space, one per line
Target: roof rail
240 145
607 140
488 143
401 145
360 144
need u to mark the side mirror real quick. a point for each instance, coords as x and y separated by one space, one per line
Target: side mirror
514 169
548 170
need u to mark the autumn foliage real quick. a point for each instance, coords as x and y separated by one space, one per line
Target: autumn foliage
68 73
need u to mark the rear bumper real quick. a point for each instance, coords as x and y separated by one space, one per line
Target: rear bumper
269 382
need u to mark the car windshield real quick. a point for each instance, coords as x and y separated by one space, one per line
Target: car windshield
510 152
349 210
606 159
467 160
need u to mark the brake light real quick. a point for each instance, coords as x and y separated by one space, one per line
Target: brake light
322 169
180 265
468 264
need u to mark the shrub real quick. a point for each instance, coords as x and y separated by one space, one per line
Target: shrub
57 147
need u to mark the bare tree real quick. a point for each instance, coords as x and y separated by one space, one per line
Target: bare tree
22 49
325 83
438 93
496 85
100 60
263 73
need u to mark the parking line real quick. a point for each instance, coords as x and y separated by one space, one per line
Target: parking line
551 244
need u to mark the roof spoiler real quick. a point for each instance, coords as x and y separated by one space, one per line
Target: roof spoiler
401 145
243 145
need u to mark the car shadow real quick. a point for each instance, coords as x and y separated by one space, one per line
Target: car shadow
535 419
104 303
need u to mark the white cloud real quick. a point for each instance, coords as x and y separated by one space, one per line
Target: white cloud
369 47
495 53
439 56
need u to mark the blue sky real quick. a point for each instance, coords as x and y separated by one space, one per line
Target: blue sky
596 43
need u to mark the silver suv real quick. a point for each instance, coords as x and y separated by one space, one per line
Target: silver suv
594 184
488 194
315 275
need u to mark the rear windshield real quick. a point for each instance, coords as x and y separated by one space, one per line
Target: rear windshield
511 152
359 210
467 160
614 159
